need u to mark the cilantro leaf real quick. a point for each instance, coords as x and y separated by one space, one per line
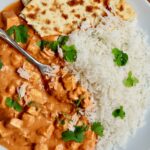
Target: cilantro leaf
62 40
68 136
1 64
20 33
13 104
130 81
53 46
11 30
77 102
70 53
121 58
79 129
17 106
42 44
77 135
9 102
62 122
98 128
119 113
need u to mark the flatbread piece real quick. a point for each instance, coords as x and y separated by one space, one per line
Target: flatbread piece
59 17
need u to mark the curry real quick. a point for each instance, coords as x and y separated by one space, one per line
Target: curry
37 117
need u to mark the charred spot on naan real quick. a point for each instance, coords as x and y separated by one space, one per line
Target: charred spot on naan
44 4
32 16
47 21
74 3
65 16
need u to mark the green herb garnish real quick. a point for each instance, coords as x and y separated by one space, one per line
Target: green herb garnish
70 53
13 104
77 102
121 58
54 46
20 33
17 106
42 44
1 64
77 135
130 81
9 102
62 122
98 128
62 40
119 113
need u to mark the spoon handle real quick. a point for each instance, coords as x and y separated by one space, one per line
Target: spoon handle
8 39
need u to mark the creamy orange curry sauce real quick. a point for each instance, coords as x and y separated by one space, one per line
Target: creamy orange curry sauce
48 103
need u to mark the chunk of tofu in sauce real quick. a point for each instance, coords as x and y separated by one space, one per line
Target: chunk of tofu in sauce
37 125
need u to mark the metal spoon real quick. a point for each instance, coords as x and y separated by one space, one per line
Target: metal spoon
44 69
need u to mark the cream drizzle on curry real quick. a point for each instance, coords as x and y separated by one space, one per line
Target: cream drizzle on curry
48 104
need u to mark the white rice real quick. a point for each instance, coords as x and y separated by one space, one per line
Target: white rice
97 72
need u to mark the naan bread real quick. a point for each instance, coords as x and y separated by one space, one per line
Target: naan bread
59 17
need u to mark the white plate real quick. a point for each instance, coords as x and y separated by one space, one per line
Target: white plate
141 140
142 8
